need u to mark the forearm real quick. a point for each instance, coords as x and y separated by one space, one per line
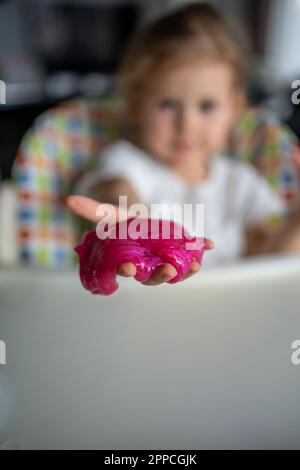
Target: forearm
263 240
289 241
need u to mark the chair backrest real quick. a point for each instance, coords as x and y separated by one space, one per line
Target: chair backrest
56 150
262 140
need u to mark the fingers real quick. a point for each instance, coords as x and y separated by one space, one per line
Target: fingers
167 272
83 206
194 268
162 274
127 269
92 210
209 244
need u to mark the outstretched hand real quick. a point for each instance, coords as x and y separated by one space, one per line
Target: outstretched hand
87 208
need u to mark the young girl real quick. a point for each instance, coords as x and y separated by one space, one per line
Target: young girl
182 80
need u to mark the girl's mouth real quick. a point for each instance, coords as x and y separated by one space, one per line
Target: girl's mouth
184 146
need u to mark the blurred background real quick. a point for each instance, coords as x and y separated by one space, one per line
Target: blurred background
51 50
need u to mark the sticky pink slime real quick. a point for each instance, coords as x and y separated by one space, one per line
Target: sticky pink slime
99 259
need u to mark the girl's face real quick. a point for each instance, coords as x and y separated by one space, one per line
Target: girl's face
189 113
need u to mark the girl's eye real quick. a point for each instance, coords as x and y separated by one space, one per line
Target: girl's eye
167 104
207 106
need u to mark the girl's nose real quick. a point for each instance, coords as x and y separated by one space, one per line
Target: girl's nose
186 122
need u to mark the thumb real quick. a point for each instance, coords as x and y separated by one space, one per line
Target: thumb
93 210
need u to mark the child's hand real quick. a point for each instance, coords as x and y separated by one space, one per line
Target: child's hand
161 274
87 208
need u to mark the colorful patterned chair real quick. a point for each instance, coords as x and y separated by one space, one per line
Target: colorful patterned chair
260 139
56 150
62 144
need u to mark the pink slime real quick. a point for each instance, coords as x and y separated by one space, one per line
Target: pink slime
99 259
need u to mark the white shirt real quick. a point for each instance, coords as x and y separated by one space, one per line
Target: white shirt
234 195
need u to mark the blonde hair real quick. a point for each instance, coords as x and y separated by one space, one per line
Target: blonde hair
196 31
